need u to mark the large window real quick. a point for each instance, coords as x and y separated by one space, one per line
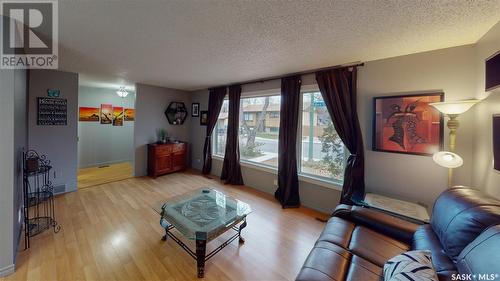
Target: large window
259 127
220 130
322 151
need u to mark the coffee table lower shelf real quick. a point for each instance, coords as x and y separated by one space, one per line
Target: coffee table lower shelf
201 245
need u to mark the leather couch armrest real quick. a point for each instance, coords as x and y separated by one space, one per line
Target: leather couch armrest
380 221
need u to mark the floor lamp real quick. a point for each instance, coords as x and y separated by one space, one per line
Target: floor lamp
449 159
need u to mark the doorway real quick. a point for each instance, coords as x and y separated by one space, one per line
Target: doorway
105 134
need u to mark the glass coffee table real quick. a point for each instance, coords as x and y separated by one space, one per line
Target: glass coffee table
203 215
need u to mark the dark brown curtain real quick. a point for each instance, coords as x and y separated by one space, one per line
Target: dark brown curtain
231 169
338 88
215 101
288 181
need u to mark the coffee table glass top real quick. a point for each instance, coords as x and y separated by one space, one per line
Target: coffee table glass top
203 214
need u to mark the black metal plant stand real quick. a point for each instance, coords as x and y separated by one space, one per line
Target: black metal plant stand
38 194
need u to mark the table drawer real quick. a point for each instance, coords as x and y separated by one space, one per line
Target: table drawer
163 149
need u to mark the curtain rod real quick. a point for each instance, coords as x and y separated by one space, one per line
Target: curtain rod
262 80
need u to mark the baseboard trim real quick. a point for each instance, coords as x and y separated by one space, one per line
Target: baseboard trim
7 270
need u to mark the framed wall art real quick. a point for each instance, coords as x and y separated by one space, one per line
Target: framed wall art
407 124
129 114
496 142
117 116
204 117
52 112
89 114
195 110
106 113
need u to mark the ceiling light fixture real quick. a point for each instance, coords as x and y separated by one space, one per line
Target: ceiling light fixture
121 92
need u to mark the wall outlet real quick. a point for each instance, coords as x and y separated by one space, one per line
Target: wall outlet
275 182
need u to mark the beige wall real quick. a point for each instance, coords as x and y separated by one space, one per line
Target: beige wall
13 139
416 178
58 143
7 168
483 174
150 105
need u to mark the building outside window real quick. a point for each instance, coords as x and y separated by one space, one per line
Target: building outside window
248 116
259 131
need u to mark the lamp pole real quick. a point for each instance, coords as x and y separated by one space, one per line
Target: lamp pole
452 124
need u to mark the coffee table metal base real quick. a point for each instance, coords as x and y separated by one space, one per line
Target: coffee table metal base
201 246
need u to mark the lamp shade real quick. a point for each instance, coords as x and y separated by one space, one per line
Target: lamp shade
454 107
448 159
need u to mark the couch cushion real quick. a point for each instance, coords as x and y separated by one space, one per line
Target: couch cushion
326 261
375 247
337 231
425 239
482 256
460 214
361 269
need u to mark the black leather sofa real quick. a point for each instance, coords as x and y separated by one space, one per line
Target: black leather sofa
463 236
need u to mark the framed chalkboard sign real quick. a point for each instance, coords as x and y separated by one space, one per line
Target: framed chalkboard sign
52 112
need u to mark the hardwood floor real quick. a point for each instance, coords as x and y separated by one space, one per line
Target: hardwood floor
110 232
93 176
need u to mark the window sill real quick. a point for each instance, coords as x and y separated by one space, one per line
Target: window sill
335 185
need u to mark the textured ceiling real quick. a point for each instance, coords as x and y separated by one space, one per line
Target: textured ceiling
193 44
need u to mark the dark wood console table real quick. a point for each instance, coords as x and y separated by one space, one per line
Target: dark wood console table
166 158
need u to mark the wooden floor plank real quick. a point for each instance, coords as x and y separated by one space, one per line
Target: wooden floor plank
110 232
92 176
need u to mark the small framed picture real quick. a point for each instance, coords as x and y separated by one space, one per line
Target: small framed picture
204 118
195 109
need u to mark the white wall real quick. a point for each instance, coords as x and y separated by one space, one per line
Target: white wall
412 177
483 175
59 143
151 102
100 144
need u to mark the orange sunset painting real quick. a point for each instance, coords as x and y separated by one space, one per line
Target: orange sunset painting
129 114
106 113
89 114
117 116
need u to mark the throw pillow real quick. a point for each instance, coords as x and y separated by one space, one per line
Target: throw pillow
410 266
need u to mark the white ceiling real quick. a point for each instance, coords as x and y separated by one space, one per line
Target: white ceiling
194 44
